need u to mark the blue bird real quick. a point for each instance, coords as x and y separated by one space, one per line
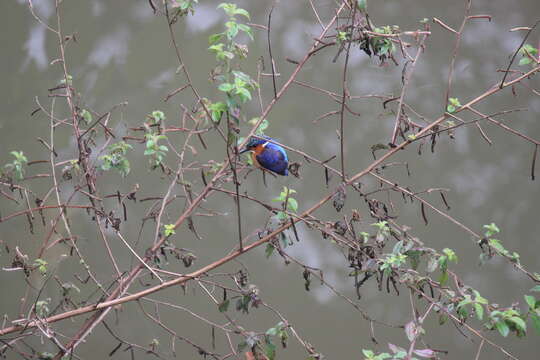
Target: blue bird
267 155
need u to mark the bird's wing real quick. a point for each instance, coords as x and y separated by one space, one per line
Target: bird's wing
273 159
278 148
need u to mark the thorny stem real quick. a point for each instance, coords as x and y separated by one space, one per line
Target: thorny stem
409 71
345 94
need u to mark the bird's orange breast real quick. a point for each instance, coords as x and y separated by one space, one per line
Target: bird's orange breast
258 150
254 158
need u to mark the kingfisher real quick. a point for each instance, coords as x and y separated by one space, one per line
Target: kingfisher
267 155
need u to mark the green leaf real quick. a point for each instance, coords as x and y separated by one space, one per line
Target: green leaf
270 350
443 318
525 61
169 229
463 313
216 47
479 310
232 29
536 288
443 278
368 353
272 331
263 126
212 39
496 244
529 48
453 104
465 301
491 229
217 109
269 250
241 12
69 80
531 301
526 51
411 137
504 330
242 76
454 101
246 29
224 306
443 263
520 323
515 257
226 87
362 5
536 322
244 94
41 266
450 254
87 116
228 54
239 83
292 204
158 115
478 298
218 106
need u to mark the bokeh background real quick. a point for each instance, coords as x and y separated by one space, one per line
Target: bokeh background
123 54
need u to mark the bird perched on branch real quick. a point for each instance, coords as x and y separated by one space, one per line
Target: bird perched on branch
267 155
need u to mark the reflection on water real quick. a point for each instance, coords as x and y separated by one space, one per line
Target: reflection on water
320 256
162 79
97 8
111 48
35 44
42 8
140 13
472 177
204 18
35 48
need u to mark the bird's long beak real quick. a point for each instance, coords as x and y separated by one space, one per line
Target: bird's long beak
245 149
